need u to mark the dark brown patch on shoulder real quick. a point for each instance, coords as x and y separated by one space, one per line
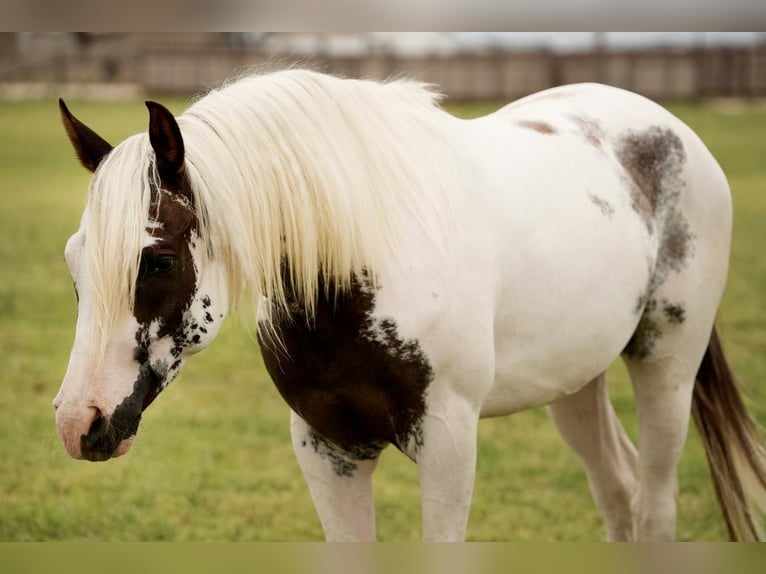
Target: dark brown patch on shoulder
349 375
538 126
589 129
653 160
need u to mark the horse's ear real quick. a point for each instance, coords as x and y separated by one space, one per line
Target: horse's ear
90 147
165 136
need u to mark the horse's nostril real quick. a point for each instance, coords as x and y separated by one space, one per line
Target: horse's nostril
97 430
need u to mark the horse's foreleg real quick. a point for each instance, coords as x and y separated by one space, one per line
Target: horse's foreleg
587 422
340 484
446 467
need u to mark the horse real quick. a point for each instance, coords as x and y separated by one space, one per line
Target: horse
410 273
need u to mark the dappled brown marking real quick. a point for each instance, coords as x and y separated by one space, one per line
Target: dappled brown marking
589 129
343 462
603 205
675 313
676 243
675 248
653 160
538 126
646 334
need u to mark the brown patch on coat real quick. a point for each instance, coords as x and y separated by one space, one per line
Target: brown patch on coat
674 313
647 332
603 205
538 126
676 244
167 294
676 247
343 462
589 129
653 160
351 376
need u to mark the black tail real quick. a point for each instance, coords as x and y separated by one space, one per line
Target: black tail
734 450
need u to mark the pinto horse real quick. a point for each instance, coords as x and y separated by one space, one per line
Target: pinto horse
411 273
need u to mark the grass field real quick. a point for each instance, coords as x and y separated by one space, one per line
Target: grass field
213 459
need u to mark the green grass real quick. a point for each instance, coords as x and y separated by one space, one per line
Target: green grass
213 459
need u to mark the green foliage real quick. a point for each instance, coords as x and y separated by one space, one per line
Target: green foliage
213 459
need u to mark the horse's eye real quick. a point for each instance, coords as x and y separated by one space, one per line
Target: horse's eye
162 264
152 265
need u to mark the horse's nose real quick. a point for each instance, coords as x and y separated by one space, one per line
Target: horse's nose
96 433
75 421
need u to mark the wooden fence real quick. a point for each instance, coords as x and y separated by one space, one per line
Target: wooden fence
500 75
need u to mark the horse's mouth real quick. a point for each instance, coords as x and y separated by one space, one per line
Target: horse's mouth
101 455
124 446
109 436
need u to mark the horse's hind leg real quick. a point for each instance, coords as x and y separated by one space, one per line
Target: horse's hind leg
663 390
340 484
663 357
587 422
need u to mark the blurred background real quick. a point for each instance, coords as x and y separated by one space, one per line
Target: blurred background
213 459
469 66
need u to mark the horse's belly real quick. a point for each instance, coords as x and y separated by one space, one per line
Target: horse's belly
542 354
557 343
561 323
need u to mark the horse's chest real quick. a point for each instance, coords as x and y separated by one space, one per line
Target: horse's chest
349 374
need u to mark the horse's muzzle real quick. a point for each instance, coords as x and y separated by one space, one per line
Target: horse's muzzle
108 437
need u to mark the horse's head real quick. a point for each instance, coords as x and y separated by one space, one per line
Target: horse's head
148 295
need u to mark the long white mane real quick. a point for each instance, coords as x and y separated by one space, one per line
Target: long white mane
294 166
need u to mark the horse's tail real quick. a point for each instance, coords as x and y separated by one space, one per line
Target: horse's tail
734 451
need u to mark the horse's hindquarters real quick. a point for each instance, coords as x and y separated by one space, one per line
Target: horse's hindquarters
591 217
569 261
